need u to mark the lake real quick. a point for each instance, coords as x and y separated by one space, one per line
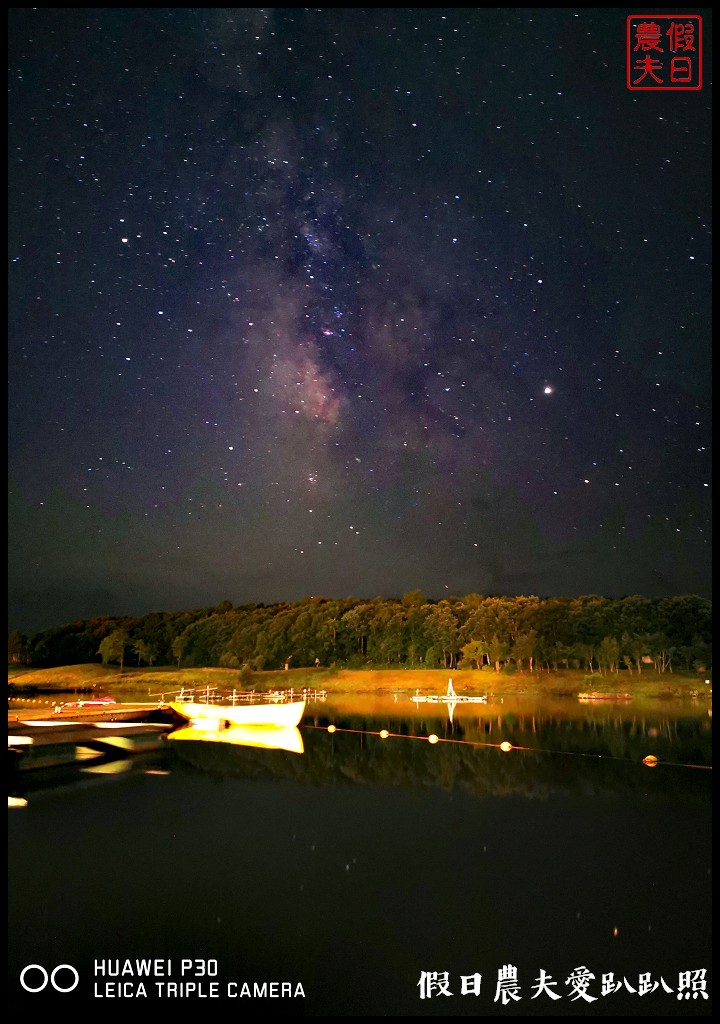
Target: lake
375 875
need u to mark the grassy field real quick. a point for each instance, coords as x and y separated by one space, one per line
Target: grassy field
98 679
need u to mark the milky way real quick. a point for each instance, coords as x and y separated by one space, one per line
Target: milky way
349 302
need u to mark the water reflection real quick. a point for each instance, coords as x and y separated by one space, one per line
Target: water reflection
263 738
514 747
680 733
489 754
27 786
377 855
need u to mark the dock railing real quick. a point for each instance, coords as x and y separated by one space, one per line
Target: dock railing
212 695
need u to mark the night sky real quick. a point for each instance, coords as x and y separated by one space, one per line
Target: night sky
350 302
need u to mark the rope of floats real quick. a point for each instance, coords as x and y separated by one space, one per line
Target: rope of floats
650 760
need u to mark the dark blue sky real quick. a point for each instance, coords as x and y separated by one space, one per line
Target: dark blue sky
349 302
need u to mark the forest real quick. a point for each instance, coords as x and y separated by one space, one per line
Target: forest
508 634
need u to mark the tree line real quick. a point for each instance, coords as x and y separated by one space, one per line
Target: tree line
475 631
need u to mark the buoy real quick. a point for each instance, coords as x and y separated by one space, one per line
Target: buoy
432 738
384 734
331 728
505 746
651 761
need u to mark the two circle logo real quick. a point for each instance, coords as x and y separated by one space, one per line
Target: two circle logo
51 978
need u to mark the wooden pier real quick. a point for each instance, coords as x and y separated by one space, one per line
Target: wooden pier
52 744
52 735
105 713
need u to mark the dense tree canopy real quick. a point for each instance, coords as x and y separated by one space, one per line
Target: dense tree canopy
513 633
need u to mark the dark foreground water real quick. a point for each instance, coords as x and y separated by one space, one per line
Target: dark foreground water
376 877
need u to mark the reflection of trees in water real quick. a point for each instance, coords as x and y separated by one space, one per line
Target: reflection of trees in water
597 758
609 733
633 737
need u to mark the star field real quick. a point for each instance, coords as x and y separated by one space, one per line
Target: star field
349 302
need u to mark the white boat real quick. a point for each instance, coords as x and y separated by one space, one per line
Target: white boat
239 710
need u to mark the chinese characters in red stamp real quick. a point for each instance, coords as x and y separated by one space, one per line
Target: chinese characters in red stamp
664 51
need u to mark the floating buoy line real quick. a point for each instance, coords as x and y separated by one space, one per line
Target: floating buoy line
650 760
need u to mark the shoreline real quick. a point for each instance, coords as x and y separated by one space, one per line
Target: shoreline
97 680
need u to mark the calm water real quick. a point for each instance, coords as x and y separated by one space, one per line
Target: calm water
366 865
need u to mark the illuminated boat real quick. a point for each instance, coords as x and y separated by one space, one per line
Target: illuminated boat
285 714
